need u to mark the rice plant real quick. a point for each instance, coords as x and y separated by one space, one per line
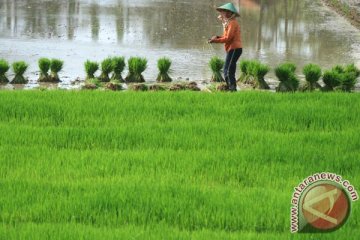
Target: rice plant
164 65
90 69
136 67
106 69
216 65
164 165
258 71
341 78
4 67
246 67
312 74
286 75
118 67
332 79
56 66
44 66
19 69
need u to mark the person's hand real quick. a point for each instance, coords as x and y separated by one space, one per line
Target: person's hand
211 40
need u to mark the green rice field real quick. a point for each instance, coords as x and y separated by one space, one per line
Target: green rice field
169 165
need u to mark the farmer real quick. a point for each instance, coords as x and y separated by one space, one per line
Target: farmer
232 40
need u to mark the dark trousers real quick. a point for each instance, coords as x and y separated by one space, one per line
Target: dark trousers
230 67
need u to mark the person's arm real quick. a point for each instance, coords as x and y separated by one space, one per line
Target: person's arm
228 35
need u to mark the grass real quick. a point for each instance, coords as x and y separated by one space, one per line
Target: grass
286 75
56 66
136 66
106 69
216 65
312 74
109 165
4 67
118 67
19 69
164 65
90 69
44 66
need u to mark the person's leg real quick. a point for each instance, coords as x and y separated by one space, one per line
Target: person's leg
228 58
232 68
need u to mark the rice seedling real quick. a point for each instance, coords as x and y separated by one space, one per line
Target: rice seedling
139 87
286 75
118 67
114 85
106 69
164 65
4 67
312 74
216 65
246 76
92 84
103 165
341 78
19 69
44 66
56 66
136 67
90 69
258 71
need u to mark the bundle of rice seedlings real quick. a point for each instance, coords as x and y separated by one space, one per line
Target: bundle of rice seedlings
312 74
118 68
348 77
56 66
164 65
246 70
44 66
332 79
216 65
92 83
136 67
113 85
286 75
4 67
258 71
138 87
106 69
19 69
90 69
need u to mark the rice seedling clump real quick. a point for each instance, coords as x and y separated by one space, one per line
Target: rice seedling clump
258 72
106 69
56 66
216 65
286 75
341 78
44 66
312 74
90 69
164 65
19 69
4 67
92 84
118 68
136 67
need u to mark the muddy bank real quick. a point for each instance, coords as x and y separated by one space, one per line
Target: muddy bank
350 9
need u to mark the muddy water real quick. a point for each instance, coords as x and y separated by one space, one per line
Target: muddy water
274 31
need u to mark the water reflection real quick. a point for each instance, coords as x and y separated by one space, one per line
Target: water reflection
273 30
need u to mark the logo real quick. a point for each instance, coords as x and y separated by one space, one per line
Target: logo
321 203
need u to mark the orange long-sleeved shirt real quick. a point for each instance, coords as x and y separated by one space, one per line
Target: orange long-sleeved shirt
231 36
